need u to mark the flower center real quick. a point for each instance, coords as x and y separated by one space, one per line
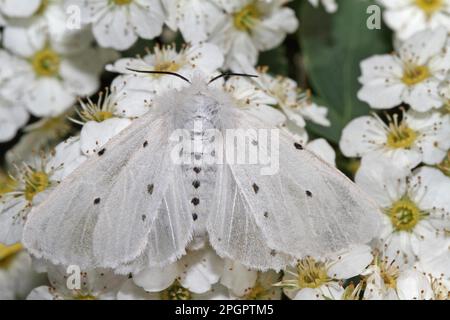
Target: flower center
404 215
429 6
246 18
122 2
176 292
311 274
170 66
46 63
256 293
35 182
400 136
7 254
415 74
98 112
100 116
389 279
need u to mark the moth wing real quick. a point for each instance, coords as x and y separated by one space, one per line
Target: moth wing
170 233
306 208
94 217
233 231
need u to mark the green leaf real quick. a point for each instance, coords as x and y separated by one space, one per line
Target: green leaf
333 46
276 60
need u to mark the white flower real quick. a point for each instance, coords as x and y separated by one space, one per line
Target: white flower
46 26
441 289
101 121
410 76
32 185
416 138
17 276
248 27
138 90
330 5
130 291
249 284
380 278
19 9
196 272
47 82
66 157
119 23
93 285
322 149
12 118
414 285
389 279
13 114
434 258
407 17
293 101
323 279
193 18
416 207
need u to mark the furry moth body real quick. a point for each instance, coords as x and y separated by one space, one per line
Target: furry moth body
132 207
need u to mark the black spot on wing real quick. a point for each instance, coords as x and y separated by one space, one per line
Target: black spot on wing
298 146
195 201
150 188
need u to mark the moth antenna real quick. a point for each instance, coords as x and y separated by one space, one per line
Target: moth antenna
161 72
231 74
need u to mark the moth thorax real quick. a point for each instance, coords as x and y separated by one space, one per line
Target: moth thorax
202 111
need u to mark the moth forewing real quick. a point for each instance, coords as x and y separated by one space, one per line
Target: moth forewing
306 208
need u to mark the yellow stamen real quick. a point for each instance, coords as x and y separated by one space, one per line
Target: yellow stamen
311 274
400 135
46 63
246 18
404 215
415 74
168 66
100 111
35 182
7 254
430 6
176 292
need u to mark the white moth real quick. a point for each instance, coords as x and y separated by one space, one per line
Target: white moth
131 206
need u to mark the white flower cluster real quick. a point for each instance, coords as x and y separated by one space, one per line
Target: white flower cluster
51 69
404 153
